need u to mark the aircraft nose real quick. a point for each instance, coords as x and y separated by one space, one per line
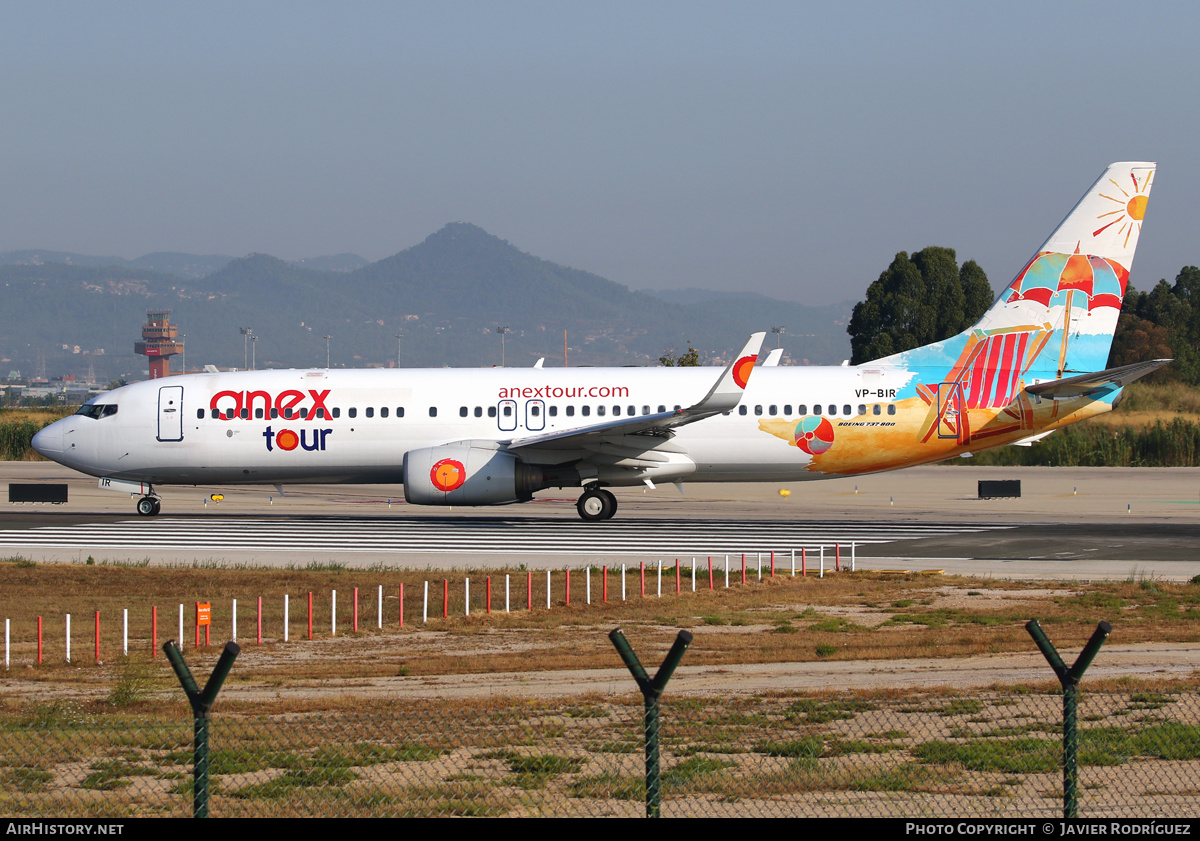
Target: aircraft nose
49 441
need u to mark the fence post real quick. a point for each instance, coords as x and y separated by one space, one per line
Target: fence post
201 702
1069 678
651 693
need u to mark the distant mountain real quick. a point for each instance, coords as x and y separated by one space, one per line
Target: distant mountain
184 265
446 297
333 263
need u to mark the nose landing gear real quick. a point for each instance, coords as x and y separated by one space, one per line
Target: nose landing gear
596 504
148 506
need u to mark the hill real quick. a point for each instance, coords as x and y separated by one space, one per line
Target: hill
446 295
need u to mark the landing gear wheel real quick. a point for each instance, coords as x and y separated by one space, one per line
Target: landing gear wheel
596 504
148 506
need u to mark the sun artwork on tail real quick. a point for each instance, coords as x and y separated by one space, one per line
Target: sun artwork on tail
1132 206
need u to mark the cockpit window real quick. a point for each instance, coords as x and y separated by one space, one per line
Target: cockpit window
97 410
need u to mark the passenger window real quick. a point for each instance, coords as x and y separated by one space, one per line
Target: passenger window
802 409
616 411
758 410
258 413
433 411
399 411
832 409
891 409
199 414
337 412
677 407
600 411
370 411
478 411
875 409
507 411
553 411
570 411
535 410
274 413
245 413
773 411
462 411
631 410
847 410
862 410
321 413
304 413
491 411
350 413
662 409
742 410
216 413
383 411
587 410
816 409
787 408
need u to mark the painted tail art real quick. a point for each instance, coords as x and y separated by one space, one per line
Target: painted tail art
1036 359
1054 322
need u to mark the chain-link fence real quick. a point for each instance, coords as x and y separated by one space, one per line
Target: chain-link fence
860 755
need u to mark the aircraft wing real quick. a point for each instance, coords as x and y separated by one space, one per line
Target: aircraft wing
1083 384
724 396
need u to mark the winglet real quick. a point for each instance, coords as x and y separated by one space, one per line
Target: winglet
727 392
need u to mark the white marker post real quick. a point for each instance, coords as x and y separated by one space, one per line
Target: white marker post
622 582
822 575
285 617
333 613
125 631
6 644
793 563
425 605
726 572
852 555
234 620
179 639
693 573
69 637
660 579
379 624
589 584
547 589
467 595
507 576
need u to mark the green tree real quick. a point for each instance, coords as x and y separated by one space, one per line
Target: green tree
918 300
691 359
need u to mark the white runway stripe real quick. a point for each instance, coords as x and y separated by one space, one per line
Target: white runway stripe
474 535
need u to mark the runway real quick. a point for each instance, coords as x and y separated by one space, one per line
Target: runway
1068 524
472 535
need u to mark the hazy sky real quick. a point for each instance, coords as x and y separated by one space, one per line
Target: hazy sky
788 148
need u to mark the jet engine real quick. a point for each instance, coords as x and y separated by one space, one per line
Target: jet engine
468 474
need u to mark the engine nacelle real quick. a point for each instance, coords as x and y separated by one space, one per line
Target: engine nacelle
462 474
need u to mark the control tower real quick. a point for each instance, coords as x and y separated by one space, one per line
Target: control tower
159 342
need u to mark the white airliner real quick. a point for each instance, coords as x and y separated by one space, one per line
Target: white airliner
1033 363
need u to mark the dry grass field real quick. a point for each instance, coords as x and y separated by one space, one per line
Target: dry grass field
848 616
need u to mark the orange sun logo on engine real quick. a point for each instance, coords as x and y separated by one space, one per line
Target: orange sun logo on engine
448 474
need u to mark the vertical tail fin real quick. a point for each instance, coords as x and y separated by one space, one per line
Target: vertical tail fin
1058 316
1074 285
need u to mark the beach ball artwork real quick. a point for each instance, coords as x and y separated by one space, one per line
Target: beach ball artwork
814 435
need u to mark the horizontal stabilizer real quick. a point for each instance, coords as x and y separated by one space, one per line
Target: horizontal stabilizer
1099 381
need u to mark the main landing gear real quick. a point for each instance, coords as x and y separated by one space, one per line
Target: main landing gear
596 504
149 506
